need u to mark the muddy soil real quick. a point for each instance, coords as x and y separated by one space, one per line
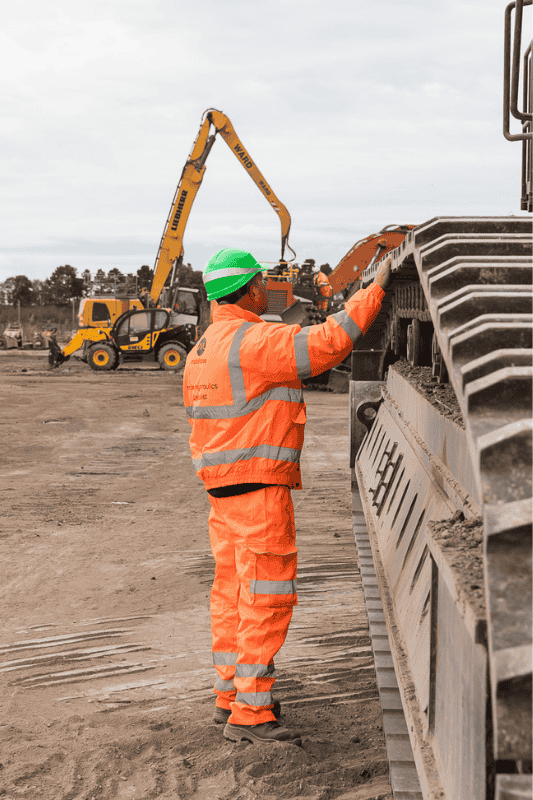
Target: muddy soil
105 663
440 395
462 543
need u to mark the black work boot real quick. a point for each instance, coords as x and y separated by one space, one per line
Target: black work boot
222 715
265 733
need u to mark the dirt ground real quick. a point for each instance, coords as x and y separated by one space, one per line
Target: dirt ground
105 667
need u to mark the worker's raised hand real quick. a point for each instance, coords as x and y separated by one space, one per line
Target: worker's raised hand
383 274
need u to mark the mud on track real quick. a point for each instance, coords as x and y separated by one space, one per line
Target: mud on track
105 665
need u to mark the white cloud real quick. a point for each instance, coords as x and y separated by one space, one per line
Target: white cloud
358 115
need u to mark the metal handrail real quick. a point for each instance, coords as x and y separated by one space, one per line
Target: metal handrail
511 81
511 73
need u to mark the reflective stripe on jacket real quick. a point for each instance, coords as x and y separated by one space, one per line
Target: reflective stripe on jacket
242 389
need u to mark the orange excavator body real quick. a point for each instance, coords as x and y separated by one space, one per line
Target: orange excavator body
358 258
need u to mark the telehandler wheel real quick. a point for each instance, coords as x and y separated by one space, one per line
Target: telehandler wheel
172 356
102 357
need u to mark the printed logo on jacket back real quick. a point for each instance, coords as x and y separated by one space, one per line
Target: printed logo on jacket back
201 346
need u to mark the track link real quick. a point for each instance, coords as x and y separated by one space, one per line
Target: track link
475 274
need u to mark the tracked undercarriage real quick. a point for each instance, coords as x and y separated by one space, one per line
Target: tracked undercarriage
459 305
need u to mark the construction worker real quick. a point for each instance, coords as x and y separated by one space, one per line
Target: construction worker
55 356
242 388
323 290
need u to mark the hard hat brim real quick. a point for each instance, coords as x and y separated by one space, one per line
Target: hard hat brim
220 287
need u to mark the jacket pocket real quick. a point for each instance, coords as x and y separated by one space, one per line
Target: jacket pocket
274 578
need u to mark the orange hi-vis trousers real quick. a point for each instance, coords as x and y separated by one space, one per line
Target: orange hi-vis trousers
253 543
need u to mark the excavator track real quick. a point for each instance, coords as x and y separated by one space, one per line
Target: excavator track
464 661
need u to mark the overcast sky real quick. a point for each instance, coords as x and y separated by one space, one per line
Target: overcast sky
359 114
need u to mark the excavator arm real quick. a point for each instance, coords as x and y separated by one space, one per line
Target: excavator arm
171 246
365 253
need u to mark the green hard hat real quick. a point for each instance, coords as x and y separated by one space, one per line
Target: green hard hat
228 270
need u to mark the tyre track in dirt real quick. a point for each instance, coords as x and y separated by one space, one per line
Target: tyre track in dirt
105 672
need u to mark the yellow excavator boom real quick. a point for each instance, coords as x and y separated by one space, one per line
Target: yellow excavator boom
171 246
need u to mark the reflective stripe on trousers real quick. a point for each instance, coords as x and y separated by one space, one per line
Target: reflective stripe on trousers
227 689
252 540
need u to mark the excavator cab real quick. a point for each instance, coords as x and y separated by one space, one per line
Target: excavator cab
186 307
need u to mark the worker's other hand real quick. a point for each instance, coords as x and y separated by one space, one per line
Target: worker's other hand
383 274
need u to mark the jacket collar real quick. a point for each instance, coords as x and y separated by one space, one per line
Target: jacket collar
229 312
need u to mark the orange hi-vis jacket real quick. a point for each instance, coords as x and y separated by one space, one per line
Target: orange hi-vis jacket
242 389
323 285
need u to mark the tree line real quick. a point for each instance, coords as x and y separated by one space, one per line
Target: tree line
64 285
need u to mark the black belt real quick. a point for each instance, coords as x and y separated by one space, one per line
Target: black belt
237 488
